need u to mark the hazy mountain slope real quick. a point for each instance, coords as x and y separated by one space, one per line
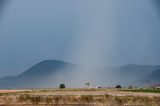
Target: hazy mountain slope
46 67
36 76
152 78
128 74
155 75
50 73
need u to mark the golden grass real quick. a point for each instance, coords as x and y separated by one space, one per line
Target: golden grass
29 98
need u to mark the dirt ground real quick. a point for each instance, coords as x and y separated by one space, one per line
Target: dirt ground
98 92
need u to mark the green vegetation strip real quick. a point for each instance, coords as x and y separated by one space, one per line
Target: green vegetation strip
143 90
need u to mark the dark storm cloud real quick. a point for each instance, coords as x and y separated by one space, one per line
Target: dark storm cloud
112 32
156 4
2 5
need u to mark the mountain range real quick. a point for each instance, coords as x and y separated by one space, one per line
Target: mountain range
50 73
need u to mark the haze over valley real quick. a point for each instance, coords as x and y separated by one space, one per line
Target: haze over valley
51 73
101 42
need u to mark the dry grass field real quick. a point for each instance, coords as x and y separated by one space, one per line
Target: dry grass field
78 97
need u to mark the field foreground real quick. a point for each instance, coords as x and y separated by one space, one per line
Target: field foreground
79 97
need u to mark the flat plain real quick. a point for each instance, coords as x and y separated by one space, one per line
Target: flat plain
79 97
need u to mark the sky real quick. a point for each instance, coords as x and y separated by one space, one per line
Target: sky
89 32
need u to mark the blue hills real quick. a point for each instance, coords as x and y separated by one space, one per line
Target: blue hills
50 73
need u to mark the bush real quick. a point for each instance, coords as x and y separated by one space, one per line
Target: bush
62 86
118 86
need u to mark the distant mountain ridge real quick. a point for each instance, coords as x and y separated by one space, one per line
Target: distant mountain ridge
36 75
129 74
152 78
48 65
49 73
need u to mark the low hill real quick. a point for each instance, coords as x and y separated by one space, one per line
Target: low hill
36 76
128 74
50 73
151 78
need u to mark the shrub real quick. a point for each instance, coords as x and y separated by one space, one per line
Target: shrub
62 86
118 86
